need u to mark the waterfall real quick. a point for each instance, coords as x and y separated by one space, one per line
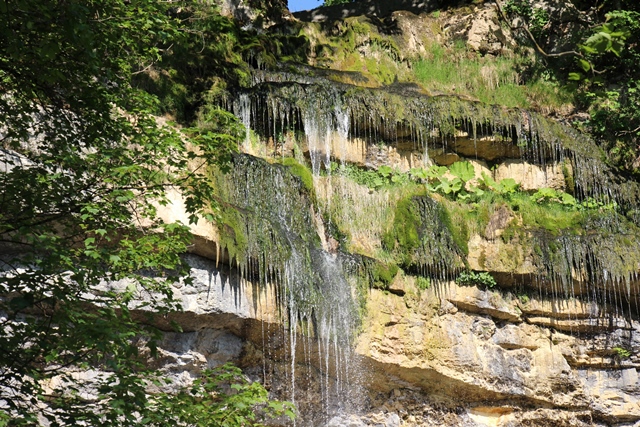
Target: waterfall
326 243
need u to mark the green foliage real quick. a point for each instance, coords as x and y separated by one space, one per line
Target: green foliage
622 352
518 7
210 54
550 195
462 170
603 75
334 2
383 177
446 185
456 187
546 195
221 397
341 49
606 78
505 187
423 283
454 70
88 165
471 278
535 18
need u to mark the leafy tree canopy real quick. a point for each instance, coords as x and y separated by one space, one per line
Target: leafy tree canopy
604 68
333 2
84 165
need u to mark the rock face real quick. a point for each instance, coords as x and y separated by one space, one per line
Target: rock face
258 14
553 339
444 355
449 355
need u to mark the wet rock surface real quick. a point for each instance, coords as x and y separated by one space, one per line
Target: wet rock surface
460 356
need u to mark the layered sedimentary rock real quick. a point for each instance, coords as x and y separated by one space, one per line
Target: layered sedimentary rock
344 294
333 271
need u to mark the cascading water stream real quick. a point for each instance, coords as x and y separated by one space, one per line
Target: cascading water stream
316 292
271 235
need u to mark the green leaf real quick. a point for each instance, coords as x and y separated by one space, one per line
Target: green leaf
463 170
436 172
575 76
599 42
419 173
508 186
586 66
385 170
456 185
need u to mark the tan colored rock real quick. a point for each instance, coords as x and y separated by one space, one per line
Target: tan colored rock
443 157
395 157
205 233
560 309
467 350
578 325
527 336
491 416
498 256
614 393
350 150
487 35
474 300
400 286
486 147
416 33
498 221
530 176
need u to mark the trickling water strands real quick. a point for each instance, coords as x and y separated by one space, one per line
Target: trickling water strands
374 116
383 115
600 266
267 226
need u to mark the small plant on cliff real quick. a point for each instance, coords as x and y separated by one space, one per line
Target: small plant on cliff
622 352
505 187
383 177
334 2
546 195
423 283
471 278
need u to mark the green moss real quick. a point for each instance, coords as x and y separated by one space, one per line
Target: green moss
301 171
459 231
537 249
569 181
406 224
482 260
421 236
383 274
232 231
510 232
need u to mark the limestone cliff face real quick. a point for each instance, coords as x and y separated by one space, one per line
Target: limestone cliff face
442 355
340 287
448 355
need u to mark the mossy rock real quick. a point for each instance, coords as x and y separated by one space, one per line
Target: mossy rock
422 237
301 171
